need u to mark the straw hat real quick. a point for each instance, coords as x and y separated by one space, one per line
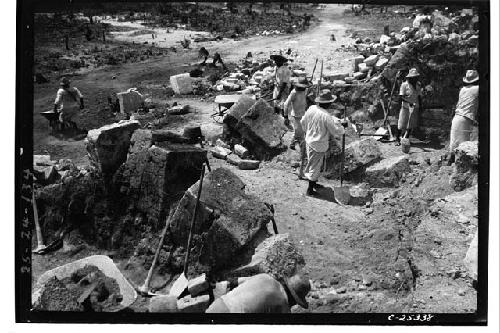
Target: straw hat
64 81
299 287
325 97
413 73
471 76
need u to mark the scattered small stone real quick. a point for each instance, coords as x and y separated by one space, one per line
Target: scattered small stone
341 290
361 287
461 292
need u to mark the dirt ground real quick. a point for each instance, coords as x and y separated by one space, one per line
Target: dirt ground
343 246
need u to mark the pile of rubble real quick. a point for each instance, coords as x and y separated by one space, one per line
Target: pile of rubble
137 179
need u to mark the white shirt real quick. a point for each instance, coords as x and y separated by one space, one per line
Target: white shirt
297 102
468 102
319 125
283 75
68 97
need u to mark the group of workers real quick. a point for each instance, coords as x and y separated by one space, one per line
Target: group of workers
314 126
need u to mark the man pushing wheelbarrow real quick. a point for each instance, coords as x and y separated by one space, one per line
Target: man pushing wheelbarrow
66 105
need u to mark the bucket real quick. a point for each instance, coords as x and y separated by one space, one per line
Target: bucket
405 145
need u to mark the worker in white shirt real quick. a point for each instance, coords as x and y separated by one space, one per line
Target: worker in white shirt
319 126
282 82
67 103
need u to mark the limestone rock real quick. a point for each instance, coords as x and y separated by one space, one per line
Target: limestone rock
381 63
189 304
163 304
356 61
130 101
259 127
359 75
182 84
466 163
241 151
388 172
233 159
220 152
198 285
229 219
371 60
152 178
248 164
220 289
277 255
361 153
108 146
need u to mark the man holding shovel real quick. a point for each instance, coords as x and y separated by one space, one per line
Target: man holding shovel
318 125
411 100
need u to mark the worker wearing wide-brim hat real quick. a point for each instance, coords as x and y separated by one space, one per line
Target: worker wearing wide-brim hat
319 126
282 82
264 293
465 112
411 100
67 103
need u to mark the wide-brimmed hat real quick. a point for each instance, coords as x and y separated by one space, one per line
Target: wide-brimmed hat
325 97
278 58
471 76
64 81
302 83
299 287
413 73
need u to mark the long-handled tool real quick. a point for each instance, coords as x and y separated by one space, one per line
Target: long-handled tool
39 237
144 289
318 90
314 69
405 141
342 194
181 283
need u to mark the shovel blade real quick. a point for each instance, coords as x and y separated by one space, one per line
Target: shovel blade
342 195
179 286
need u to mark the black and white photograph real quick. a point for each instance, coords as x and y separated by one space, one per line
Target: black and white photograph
298 163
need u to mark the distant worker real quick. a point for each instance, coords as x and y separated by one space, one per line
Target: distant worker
319 126
68 101
410 93
282 82
465 112
218 59
203 53
264 294
295 106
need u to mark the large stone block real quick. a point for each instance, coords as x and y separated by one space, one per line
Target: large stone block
361 153
466 162
388 172
277 255
130 101
182 84
153 178
260 128
228 218
108 146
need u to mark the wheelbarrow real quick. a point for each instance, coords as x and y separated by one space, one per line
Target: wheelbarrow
53 118
103 263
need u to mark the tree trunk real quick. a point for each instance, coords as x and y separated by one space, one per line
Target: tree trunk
91 20
66 42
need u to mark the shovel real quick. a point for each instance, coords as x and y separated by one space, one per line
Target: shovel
181 283
39 237
342 194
